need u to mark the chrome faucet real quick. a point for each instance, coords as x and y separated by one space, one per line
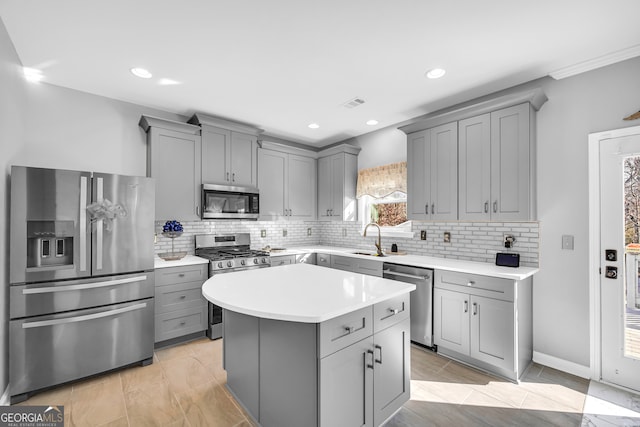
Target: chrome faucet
379 243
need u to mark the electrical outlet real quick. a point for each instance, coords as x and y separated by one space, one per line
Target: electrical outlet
508 240
284 232
344 232
447 237
423 234
263 233
309 231
567 242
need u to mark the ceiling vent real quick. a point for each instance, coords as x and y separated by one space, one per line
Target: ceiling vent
353 103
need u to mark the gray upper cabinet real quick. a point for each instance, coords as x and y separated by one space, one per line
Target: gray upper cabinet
229 151
495 162
337 176
174 151
287 182
432 173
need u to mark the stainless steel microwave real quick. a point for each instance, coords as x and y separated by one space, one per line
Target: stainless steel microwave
230 202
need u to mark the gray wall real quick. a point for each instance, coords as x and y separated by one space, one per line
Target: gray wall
12 109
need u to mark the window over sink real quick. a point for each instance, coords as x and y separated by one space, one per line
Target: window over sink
382 198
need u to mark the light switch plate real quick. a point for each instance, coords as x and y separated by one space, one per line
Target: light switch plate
567 242
263 233
447 237
423 234
309 231
284 232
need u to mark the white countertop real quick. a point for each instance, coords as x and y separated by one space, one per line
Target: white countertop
299 292
461 266
187 260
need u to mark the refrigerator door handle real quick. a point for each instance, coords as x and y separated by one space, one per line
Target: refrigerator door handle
86 317
52 289
99 224
83 223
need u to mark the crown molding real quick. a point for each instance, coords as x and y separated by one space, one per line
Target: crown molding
592 64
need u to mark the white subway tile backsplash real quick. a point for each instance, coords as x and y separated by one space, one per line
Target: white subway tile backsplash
474 241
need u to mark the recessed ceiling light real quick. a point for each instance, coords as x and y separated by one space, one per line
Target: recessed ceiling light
372 122
32 74
141 72
435 73
314 126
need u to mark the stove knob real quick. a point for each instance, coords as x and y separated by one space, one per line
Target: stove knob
219 265
255 260
243 262
229 263
264 260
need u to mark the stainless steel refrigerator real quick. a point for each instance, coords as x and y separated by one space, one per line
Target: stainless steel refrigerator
81 275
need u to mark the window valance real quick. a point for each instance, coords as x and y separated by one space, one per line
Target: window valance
382 181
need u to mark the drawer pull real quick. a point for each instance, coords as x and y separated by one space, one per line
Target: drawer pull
471 283
349 330
475 308
183 296
466 306
392 312
182 323
181 275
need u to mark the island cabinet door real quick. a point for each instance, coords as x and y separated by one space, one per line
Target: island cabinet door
346 386
391 370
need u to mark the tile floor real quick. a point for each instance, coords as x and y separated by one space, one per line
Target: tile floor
185 387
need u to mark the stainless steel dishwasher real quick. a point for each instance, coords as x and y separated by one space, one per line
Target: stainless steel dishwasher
421 299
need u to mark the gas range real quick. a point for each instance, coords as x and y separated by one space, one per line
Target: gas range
230 252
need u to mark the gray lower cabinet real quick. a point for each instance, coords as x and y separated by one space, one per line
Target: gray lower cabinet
484 321
323 259
357 265
353 370
277 260
180 308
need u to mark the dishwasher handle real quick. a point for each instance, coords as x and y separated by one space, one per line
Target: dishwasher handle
407 275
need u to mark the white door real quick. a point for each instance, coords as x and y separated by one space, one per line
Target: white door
619 206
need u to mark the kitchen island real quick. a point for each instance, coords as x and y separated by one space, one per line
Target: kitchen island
309 346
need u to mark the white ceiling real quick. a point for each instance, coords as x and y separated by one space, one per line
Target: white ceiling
282 64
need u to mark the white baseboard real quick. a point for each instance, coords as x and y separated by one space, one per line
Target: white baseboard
562 365
4 399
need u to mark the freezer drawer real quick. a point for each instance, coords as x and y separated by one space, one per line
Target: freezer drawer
55 297
51 350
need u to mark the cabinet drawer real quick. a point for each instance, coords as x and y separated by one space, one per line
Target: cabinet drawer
487 286
179 296
180 322
390 312
342 331
187 273
282 260
343 263
370 267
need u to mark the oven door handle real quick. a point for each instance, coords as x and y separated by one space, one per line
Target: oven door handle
52 289
83 318
410 276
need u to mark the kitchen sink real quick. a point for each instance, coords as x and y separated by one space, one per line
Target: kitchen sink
366 253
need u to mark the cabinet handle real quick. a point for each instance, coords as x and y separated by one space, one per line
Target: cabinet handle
426 209
233 177
475 308
227 176
486 207
495 206
181 275
471 283
377 347
290 212
349 329
433 208
183 296
466 306
197 210
369 365
182 323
